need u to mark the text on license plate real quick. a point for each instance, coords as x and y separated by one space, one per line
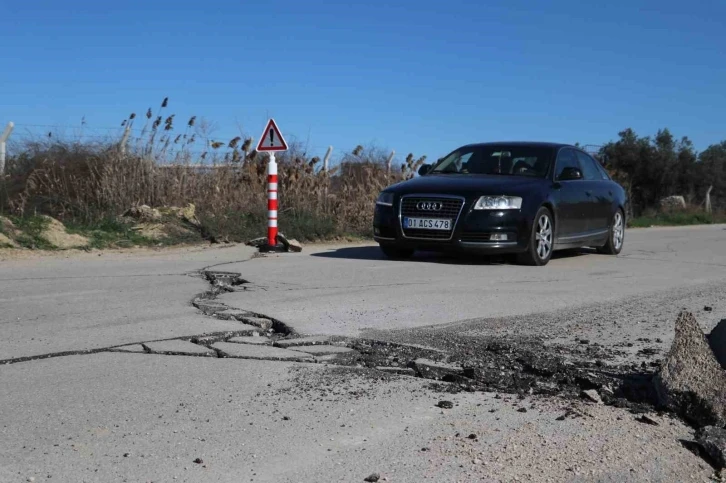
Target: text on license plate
427 223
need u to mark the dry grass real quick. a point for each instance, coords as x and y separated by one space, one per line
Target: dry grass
85 183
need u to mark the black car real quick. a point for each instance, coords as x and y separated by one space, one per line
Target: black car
524 198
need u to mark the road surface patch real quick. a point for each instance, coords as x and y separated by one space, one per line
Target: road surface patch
250 340
323 350
302 341
130 348
248 351
179 347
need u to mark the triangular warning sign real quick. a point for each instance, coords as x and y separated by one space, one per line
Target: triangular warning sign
271 139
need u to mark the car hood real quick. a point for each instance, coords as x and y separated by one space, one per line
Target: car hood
469 184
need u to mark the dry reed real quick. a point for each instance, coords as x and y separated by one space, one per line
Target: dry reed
87 182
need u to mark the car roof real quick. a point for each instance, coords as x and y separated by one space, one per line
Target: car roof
540 144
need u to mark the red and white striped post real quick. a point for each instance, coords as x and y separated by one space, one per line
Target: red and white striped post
271 141
272 201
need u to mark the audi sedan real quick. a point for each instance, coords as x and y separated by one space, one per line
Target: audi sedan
523 198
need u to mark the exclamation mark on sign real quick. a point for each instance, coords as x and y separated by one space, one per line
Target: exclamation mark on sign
272 137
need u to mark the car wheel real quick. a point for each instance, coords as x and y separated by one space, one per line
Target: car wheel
396 253
541 240
616 235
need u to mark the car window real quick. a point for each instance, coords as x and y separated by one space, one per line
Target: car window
499 159
589 168
603 172
566 159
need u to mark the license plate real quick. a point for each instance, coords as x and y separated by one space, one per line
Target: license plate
427 223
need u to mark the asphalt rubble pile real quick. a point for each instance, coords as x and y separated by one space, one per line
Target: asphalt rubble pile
283 244
689 382
524 367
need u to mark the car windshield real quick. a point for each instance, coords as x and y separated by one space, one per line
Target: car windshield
500 159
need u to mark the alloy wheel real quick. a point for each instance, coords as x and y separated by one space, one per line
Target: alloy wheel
543 237
618 231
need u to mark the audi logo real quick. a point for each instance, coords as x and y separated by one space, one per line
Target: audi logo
429 205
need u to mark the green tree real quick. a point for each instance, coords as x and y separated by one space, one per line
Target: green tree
711 171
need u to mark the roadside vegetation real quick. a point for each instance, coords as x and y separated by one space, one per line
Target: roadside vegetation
152 188
687 216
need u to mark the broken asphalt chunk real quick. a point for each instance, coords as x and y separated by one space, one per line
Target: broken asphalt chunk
644 418
248 351
257 340
232 314
445 404
592 396
290 245
302 341
436 370
404 371
323 350
713 441
373 478
717 341
130 348
691 382
179 347
262 323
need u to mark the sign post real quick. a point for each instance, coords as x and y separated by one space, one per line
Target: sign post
271 141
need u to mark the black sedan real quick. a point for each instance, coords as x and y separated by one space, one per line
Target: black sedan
522 198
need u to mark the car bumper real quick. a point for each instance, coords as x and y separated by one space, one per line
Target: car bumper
473 231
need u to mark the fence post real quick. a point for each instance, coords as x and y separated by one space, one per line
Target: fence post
3 145
388 163
708 199
327 158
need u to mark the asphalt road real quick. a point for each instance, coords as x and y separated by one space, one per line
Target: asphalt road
351 290
112 416
89 300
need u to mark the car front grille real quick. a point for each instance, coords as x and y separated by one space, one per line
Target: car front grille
450 209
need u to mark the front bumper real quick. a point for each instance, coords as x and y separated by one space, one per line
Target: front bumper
478 231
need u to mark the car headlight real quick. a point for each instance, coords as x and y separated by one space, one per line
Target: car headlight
498 203
385 199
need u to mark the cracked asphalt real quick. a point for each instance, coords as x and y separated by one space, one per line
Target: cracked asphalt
354 291
118 367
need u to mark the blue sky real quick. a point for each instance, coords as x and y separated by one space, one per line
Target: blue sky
415 76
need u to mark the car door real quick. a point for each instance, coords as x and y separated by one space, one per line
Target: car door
572 202
596 189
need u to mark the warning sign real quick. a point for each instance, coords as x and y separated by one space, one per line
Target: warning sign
271 139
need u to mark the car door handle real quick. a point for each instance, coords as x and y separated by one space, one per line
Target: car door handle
588 193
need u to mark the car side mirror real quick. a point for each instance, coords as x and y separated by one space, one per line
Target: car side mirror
570 174
424 169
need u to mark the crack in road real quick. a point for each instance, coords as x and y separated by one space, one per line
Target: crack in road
514 366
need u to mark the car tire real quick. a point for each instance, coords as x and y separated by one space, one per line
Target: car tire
541 240
616 235
396 253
